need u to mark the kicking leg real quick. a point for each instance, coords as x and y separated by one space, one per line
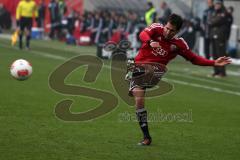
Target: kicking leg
141 114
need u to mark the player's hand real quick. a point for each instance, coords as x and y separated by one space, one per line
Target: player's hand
222 61
154 44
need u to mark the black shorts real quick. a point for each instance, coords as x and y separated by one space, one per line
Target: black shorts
25 22
145 75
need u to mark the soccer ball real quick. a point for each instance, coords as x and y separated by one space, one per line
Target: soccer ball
21 69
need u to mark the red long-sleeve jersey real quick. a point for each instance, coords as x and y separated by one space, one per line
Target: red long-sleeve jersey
169 48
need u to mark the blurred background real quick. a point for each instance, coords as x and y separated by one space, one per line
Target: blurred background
199 120
94 22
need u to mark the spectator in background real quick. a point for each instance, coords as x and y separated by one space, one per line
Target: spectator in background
166 12
54 18
5 18
62 9
150 14
1 13
113 24
206 16
188 32
87 21
105 27
71 19
132 22
41 13
97 27
118 27
232 46
230 11
122 27
218 28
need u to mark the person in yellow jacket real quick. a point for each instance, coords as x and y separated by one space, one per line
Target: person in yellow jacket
26 10
150 14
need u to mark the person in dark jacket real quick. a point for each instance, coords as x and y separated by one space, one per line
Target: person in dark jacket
206 15
218 29
41 14
54 18
230 20
97 27
5 18
166 12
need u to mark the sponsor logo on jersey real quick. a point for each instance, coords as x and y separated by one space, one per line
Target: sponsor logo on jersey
159 52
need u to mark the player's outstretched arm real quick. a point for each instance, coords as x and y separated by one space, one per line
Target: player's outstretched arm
201 61
222 61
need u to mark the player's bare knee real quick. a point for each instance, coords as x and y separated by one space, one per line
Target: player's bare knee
138 92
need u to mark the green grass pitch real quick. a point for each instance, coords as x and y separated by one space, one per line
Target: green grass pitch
30 129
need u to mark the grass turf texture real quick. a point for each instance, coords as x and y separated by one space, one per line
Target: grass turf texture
30 130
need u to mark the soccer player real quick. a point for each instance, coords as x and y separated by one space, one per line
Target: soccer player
26 10
159 46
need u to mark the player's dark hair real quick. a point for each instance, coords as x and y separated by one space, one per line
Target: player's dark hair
176 20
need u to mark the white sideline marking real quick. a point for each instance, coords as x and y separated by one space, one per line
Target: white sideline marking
235 61
215 89
43 54
64 48
204 80
5 36
229 72
234 73
203 86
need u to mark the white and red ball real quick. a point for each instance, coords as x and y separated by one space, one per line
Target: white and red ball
21 69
